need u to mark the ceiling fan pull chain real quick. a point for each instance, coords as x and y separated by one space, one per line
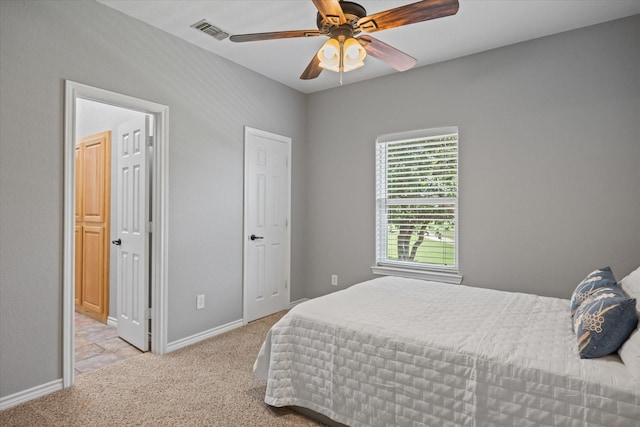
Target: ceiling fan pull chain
341 66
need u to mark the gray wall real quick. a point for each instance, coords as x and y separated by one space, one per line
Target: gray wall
210 100
549 160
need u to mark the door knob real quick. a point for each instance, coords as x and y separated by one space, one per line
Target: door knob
117 242
254 237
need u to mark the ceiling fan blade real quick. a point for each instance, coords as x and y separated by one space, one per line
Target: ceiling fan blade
331 11
275 35
389 54
408 14
313 70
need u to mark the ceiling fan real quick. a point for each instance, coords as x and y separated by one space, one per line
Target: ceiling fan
342 21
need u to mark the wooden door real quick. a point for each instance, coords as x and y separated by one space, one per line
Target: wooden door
93 195
78 269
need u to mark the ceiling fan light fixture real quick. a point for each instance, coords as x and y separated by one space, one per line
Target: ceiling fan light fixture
344 56
329 55
354 54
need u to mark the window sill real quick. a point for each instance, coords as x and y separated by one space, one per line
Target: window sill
435 276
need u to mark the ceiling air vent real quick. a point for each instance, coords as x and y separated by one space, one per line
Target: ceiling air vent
207 28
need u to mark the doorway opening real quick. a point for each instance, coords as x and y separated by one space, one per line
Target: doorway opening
98 339
93 111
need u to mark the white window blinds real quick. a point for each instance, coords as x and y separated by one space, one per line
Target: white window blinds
417 198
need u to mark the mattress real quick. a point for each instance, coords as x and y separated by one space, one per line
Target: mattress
405 352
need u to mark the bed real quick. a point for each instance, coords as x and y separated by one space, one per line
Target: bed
404 352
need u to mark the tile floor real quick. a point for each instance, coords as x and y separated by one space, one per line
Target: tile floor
97 345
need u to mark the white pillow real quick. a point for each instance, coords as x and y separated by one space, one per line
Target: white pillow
631 284
630 351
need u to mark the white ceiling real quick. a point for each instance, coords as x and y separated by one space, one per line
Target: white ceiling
479 25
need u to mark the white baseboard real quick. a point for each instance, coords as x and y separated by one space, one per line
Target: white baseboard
30 394
175 345
296 302
112 321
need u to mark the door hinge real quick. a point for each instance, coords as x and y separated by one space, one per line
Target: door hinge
148 227
286 161
286 284
147 313
149 141
286 222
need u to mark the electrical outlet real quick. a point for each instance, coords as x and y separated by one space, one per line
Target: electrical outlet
199 302
334 280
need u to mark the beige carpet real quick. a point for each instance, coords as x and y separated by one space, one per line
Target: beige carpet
207 384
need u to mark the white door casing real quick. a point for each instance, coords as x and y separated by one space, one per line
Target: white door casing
160 210
131 222
267 206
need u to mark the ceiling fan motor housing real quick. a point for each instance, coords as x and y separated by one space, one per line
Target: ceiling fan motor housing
352 12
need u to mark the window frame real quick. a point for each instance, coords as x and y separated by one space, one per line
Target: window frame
383 266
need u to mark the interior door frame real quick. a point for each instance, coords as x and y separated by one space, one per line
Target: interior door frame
245 229
160 209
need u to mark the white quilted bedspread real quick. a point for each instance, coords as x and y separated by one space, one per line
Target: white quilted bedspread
404 352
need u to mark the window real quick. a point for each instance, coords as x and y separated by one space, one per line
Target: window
417 204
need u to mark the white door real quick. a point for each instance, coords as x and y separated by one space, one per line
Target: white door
266 223
132 213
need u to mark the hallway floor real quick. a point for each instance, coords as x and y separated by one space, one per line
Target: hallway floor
97 345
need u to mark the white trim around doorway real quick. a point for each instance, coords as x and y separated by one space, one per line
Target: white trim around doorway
160 210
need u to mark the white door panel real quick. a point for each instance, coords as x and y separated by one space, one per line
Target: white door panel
267 206
132 214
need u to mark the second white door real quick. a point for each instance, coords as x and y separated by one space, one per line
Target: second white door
266 223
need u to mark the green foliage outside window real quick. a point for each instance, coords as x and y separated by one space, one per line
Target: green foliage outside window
421 185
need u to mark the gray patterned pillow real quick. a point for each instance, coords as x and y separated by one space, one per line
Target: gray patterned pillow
597 279
604 322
